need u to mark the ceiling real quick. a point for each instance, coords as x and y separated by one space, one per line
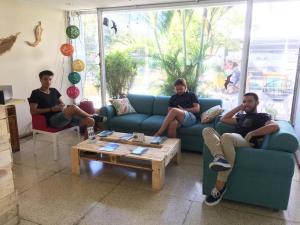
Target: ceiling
93 4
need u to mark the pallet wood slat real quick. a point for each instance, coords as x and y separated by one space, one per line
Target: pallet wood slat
155 159
3 113
3 127
8 197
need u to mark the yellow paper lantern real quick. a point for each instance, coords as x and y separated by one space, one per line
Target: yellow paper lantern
78 65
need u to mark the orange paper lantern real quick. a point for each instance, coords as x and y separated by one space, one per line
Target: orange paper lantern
67 49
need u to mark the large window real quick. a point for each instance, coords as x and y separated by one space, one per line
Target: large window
151 49
273 55
146 50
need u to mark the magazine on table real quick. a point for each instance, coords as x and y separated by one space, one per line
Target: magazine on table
158 139
109 147
105 133
127 137
139 150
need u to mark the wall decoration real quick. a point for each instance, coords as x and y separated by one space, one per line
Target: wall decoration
78 65
74 77
106 22
72 32
73 92
38 30
66 49
7 43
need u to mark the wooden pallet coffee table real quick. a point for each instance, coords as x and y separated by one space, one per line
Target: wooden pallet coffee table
155 159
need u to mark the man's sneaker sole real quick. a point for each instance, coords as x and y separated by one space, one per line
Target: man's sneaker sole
218 166
216 202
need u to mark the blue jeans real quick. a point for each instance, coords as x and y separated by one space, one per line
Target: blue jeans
189 119
59 120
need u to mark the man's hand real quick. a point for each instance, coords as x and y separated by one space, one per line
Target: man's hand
250 135
242 107
57 108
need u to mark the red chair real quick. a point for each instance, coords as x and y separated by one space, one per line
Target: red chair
40 126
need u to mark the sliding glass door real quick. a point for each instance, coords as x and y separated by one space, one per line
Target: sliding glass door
273 55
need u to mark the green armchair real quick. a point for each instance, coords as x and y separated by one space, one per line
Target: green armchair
260 176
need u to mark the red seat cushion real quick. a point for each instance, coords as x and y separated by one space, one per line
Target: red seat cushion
39 122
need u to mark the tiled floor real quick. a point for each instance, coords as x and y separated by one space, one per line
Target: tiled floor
50 195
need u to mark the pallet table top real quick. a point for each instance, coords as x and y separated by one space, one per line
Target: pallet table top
156 152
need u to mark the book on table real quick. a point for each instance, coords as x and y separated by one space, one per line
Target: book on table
105 133
158 139
139 150
109 147
127 137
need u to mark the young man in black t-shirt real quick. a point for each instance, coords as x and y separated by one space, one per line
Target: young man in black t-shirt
47 101
250 126
182 111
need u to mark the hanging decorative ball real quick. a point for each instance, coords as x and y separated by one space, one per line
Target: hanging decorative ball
66 49
73 92
72 32
74 77
78 65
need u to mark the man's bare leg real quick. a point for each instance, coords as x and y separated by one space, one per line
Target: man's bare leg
73 110
220 185
87 122
173 114
172 129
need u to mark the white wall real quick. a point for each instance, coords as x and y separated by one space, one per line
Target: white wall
297 117
20 66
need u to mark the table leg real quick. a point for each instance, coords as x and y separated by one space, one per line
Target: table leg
75 160
177 157
158 175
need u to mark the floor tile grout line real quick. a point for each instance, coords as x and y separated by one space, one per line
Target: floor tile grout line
34 167
21 218
91 208
39 181
187 213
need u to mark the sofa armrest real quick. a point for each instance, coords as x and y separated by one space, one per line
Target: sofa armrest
108 111
283 140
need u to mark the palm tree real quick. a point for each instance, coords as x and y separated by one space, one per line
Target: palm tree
185 56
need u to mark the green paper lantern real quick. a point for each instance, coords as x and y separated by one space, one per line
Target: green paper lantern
74 77
72 32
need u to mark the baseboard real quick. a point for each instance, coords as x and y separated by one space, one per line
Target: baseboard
25 135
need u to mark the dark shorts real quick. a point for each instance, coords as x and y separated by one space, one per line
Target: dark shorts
59 120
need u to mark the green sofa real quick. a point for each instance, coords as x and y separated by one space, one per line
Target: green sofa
151 111
260 176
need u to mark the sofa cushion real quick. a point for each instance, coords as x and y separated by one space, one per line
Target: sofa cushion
207 103
142 104
122 106
130 121
195 130
160 106
152 123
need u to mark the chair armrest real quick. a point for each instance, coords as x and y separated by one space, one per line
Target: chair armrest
283 140
108 111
